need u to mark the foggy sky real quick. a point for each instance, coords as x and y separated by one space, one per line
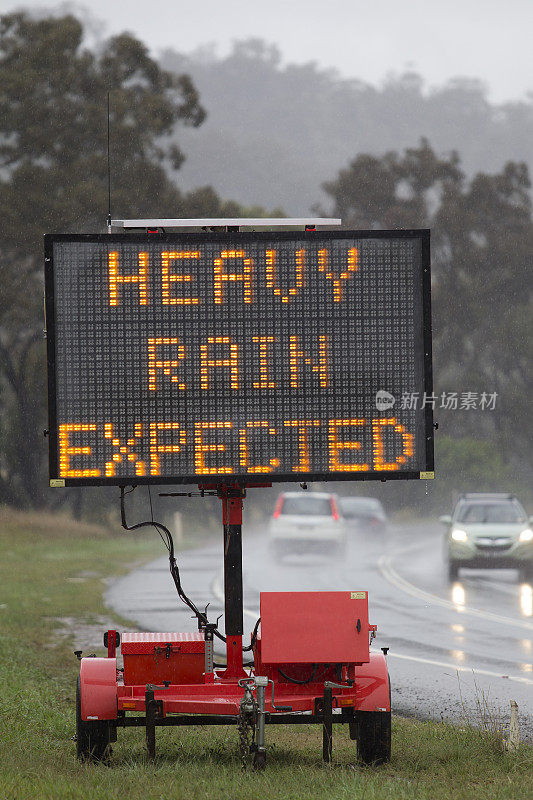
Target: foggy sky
485 39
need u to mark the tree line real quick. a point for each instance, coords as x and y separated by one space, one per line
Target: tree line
276 130
482 237
53 178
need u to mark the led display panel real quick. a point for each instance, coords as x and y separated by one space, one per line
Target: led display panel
249 357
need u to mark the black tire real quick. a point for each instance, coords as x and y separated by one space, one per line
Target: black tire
453 570
374 739
525 573
92 738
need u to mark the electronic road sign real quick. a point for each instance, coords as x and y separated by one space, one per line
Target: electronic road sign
247 357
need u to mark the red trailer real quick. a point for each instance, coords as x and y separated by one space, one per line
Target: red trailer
221 357
311 663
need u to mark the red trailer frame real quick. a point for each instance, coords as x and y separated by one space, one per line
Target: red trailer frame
351 690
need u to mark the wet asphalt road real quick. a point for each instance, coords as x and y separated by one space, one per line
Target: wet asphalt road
455 649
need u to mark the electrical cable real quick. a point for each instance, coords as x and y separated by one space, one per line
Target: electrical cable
295 680
254 637
324 672
166 536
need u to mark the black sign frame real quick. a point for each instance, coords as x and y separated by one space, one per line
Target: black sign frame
423 235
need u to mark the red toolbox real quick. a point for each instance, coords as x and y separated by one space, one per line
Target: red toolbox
314 627
158 657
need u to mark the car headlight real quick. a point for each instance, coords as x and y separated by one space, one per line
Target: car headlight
459 536
526 536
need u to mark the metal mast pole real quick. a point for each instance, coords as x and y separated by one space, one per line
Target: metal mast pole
232 501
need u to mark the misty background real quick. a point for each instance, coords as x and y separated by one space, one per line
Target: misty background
387 116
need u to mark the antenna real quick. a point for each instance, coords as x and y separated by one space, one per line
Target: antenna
108 168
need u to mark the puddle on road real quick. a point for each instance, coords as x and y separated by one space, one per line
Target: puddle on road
86 636
458 596
526 599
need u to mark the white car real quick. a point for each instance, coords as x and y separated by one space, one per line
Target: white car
306 522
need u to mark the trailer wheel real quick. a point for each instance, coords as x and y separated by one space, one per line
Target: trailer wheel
374 741
453 570
92 738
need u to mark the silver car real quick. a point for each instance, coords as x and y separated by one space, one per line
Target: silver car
307 522
365 514
489 531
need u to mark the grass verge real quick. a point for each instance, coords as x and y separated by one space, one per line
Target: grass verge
50 568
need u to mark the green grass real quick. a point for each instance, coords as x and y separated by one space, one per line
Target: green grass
38 556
